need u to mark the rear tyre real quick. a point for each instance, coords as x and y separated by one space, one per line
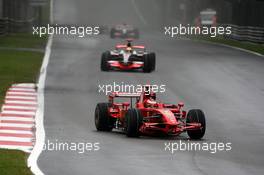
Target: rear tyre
104 61
196 116
133 121
103 122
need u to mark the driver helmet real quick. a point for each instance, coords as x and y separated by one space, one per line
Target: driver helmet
129 49
152 95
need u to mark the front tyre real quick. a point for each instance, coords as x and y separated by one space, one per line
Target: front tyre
103 122
104 61
196 116
147 67
152 57
133 121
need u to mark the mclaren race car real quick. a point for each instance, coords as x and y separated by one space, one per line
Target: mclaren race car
128 57
147 116
124 31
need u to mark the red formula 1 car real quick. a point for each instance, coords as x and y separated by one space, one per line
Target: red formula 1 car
148 117
128 57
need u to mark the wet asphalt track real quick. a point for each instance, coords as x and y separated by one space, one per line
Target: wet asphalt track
227 84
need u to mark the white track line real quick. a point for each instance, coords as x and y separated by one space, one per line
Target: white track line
20 97
3 115
6 131
22 148
22 89
18 107
19 113
21 105
21 102
17 125
40 132
18 119
21 93
16 139
32 85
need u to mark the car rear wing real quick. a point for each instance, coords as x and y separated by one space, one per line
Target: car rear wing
138 47
122 46
124 94
131 96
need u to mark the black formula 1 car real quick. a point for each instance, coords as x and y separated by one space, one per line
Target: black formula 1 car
128 57
124 31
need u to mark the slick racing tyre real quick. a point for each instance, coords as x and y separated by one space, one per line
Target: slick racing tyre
153 60
104 64
103 122
196 116
149 62
147 67
133 121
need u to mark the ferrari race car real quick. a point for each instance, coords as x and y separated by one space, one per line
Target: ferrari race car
124 31
147 116
128 57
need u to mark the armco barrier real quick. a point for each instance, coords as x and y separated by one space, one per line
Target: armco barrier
246 33
3 26
8 25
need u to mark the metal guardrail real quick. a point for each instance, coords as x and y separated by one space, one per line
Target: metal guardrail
246 33
8 25
3 26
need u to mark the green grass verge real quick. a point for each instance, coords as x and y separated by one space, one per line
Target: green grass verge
13 162
16 67
23 40
259 48
19 67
